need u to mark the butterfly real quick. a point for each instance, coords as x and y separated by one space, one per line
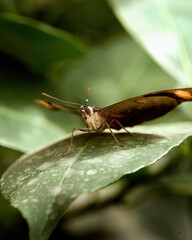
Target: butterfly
127 113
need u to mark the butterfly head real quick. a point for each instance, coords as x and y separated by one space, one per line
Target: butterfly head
86 112
89 113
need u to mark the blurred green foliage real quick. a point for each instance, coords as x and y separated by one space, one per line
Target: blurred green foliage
119 49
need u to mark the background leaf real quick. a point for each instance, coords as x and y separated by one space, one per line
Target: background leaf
36 44
43 185
163 29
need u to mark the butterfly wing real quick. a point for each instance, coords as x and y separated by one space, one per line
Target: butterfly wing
146 107
57 107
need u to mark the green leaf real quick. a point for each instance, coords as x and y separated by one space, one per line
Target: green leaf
42 185
25 132
164 30
36 44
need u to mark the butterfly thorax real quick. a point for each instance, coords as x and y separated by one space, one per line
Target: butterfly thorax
93 118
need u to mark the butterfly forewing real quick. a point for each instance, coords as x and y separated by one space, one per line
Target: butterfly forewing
144 108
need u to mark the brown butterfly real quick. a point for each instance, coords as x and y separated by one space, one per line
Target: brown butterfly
126 113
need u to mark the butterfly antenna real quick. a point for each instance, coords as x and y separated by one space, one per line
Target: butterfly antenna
60 100
87 98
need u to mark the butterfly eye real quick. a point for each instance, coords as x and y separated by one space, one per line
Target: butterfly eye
82 108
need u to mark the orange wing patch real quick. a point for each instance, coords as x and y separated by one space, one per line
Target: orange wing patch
183 94
46 104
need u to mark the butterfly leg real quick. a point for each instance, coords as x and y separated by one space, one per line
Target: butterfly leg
115 120
112 133
72 134
88 130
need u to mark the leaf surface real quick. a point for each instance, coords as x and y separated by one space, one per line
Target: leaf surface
43 184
